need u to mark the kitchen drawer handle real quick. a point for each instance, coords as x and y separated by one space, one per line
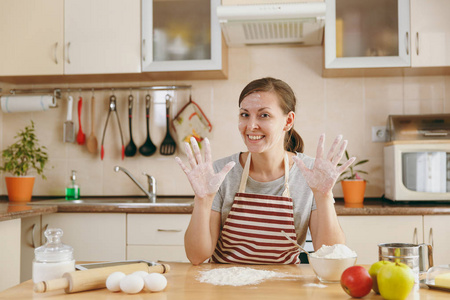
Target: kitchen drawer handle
430 238
143 49
417 43
68 53
56 57
407 43
169 230
33 242
415 237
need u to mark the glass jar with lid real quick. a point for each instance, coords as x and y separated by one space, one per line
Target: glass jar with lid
53 259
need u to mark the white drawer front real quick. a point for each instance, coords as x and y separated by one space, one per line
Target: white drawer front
157 253
157 229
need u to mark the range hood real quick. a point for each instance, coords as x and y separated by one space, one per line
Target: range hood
300 23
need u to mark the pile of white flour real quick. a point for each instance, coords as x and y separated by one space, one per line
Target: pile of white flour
238 276
335 251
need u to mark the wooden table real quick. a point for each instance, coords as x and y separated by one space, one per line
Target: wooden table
183 284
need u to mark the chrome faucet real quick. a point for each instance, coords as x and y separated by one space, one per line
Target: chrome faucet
151 193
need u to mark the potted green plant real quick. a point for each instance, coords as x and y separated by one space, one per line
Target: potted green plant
19 159
353 186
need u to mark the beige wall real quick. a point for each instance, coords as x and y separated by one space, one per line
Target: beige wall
350 106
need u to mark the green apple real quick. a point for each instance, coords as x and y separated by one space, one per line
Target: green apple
395 281
373 272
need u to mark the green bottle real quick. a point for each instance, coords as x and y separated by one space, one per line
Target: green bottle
73 190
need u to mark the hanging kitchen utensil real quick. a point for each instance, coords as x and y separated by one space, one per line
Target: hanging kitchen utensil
148 148
69 128
112 108
81 137
130 149
92 143
191 121
168 145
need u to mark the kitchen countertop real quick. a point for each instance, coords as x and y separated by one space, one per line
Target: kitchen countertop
371 206
9 211
183 284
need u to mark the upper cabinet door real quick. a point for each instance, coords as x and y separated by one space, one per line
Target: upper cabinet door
102 36
181 35
367 34
32 35
430 33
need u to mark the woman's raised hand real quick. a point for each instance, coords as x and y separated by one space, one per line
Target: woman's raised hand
325 172
201 175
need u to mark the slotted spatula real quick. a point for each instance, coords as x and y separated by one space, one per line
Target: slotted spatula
168 145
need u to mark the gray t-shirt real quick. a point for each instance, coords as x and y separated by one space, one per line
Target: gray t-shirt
301 194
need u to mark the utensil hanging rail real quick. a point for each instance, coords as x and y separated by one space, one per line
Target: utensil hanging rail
57 91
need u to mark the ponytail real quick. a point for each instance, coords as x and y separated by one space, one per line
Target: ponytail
293 142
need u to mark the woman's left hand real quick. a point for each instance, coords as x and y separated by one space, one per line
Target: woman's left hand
325 172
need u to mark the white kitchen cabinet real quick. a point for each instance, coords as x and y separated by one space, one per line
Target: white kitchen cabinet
102 36
364 233
93 236
430 33
29 240
181 36
9 253
157 237
436 234
367 34
32 35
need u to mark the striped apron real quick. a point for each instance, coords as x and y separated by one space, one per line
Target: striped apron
252 231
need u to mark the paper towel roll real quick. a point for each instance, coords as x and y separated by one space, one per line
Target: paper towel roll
22 103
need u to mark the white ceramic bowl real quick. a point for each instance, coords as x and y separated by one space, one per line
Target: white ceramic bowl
330 269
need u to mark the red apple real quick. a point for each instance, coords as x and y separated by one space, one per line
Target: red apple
356 281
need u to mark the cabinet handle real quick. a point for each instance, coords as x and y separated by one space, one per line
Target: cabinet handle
68 53
407 43
56 57
42 236
417 43
33 242
143 49
415 237
430 238
169 230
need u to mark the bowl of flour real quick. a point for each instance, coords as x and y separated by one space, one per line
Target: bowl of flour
329 262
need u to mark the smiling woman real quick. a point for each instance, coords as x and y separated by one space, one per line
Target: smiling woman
243 202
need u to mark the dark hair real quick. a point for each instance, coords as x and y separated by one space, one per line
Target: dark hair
292 140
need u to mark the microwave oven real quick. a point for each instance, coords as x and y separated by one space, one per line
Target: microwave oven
417 171
417 158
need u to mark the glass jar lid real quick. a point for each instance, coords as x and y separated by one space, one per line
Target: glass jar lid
53 250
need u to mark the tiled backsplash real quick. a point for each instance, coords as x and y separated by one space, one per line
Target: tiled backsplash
350 106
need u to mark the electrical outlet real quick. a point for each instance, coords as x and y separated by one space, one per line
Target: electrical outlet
378 134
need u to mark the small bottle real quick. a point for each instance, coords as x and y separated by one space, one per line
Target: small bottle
73 190
53 259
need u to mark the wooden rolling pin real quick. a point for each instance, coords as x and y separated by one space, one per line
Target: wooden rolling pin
92 279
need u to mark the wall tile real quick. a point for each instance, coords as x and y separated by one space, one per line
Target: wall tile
348 106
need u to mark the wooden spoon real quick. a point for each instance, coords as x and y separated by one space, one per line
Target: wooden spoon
295 243
92 143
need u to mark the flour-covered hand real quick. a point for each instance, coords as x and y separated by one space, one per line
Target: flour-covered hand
325 172
201 175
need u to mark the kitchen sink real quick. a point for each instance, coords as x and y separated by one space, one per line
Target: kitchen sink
119 201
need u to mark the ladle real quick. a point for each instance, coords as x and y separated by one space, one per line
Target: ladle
295 243
148 148
130 149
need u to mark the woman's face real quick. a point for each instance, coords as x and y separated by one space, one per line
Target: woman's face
262 123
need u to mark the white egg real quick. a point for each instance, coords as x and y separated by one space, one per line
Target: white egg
141 273
155 282
113 281
132 284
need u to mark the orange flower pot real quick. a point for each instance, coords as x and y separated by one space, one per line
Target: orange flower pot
20 188
353 191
